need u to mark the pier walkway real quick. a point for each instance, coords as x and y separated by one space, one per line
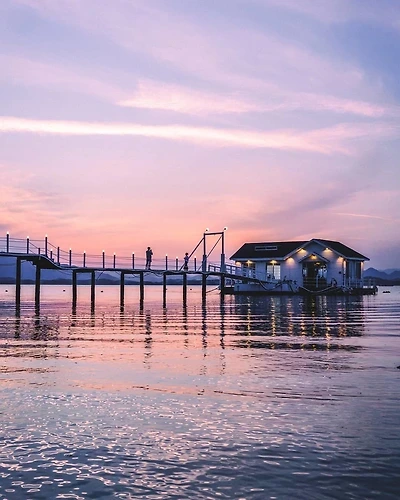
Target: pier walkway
44 255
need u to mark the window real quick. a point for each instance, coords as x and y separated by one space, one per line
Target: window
265 248
273 270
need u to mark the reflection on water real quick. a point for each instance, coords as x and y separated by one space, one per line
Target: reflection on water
246 397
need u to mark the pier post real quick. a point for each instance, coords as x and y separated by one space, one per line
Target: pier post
141 286
122 290
203 286
92 289
18 284
74 289
184 276
222 284
164 279
37 286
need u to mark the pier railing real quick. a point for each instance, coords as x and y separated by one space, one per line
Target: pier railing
242 272
103 260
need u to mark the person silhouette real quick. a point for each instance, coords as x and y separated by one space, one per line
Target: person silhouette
186 262
149 257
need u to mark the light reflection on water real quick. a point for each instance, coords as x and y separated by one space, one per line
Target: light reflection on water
261 397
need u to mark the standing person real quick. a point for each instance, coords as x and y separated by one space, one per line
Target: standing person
186 262
149 257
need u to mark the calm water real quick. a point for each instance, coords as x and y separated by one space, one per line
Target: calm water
249 398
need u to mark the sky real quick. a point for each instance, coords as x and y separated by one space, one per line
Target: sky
125 124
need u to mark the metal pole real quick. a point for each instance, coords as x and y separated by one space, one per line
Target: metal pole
195 263
204 263
45 245
84 259
104 259
70 257
133 260
58 255
223 252
114 261
51 254
166 262
27 244
176 264
8 242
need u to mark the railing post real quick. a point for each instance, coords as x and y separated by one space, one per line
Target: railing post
166 262
195 263
58 255
38 250
8 242
84 259
45 245
51 254
133 260
176 264
70 257
114 260
27 244
104 259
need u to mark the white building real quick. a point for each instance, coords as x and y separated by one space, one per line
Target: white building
299 266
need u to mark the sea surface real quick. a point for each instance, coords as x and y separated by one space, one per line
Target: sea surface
241 398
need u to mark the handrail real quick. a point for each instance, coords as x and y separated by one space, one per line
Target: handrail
69 259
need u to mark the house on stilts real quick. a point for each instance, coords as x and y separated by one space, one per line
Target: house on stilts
315 266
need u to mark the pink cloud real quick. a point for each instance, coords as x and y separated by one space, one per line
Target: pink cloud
327 140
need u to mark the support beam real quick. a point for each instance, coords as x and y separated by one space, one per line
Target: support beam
74 289
203 286
141 286
184 289
222 284
18 284
37 286
92 289
164 290
122 290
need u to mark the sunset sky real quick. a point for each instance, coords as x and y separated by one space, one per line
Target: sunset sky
129 123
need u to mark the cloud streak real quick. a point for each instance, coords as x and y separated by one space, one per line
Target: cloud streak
326 141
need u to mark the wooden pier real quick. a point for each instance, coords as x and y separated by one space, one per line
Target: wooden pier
44 255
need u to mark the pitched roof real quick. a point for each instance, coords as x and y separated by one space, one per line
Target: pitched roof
280 249
342 249
267 250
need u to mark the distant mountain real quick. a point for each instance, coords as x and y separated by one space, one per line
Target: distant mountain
371 272
382 277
